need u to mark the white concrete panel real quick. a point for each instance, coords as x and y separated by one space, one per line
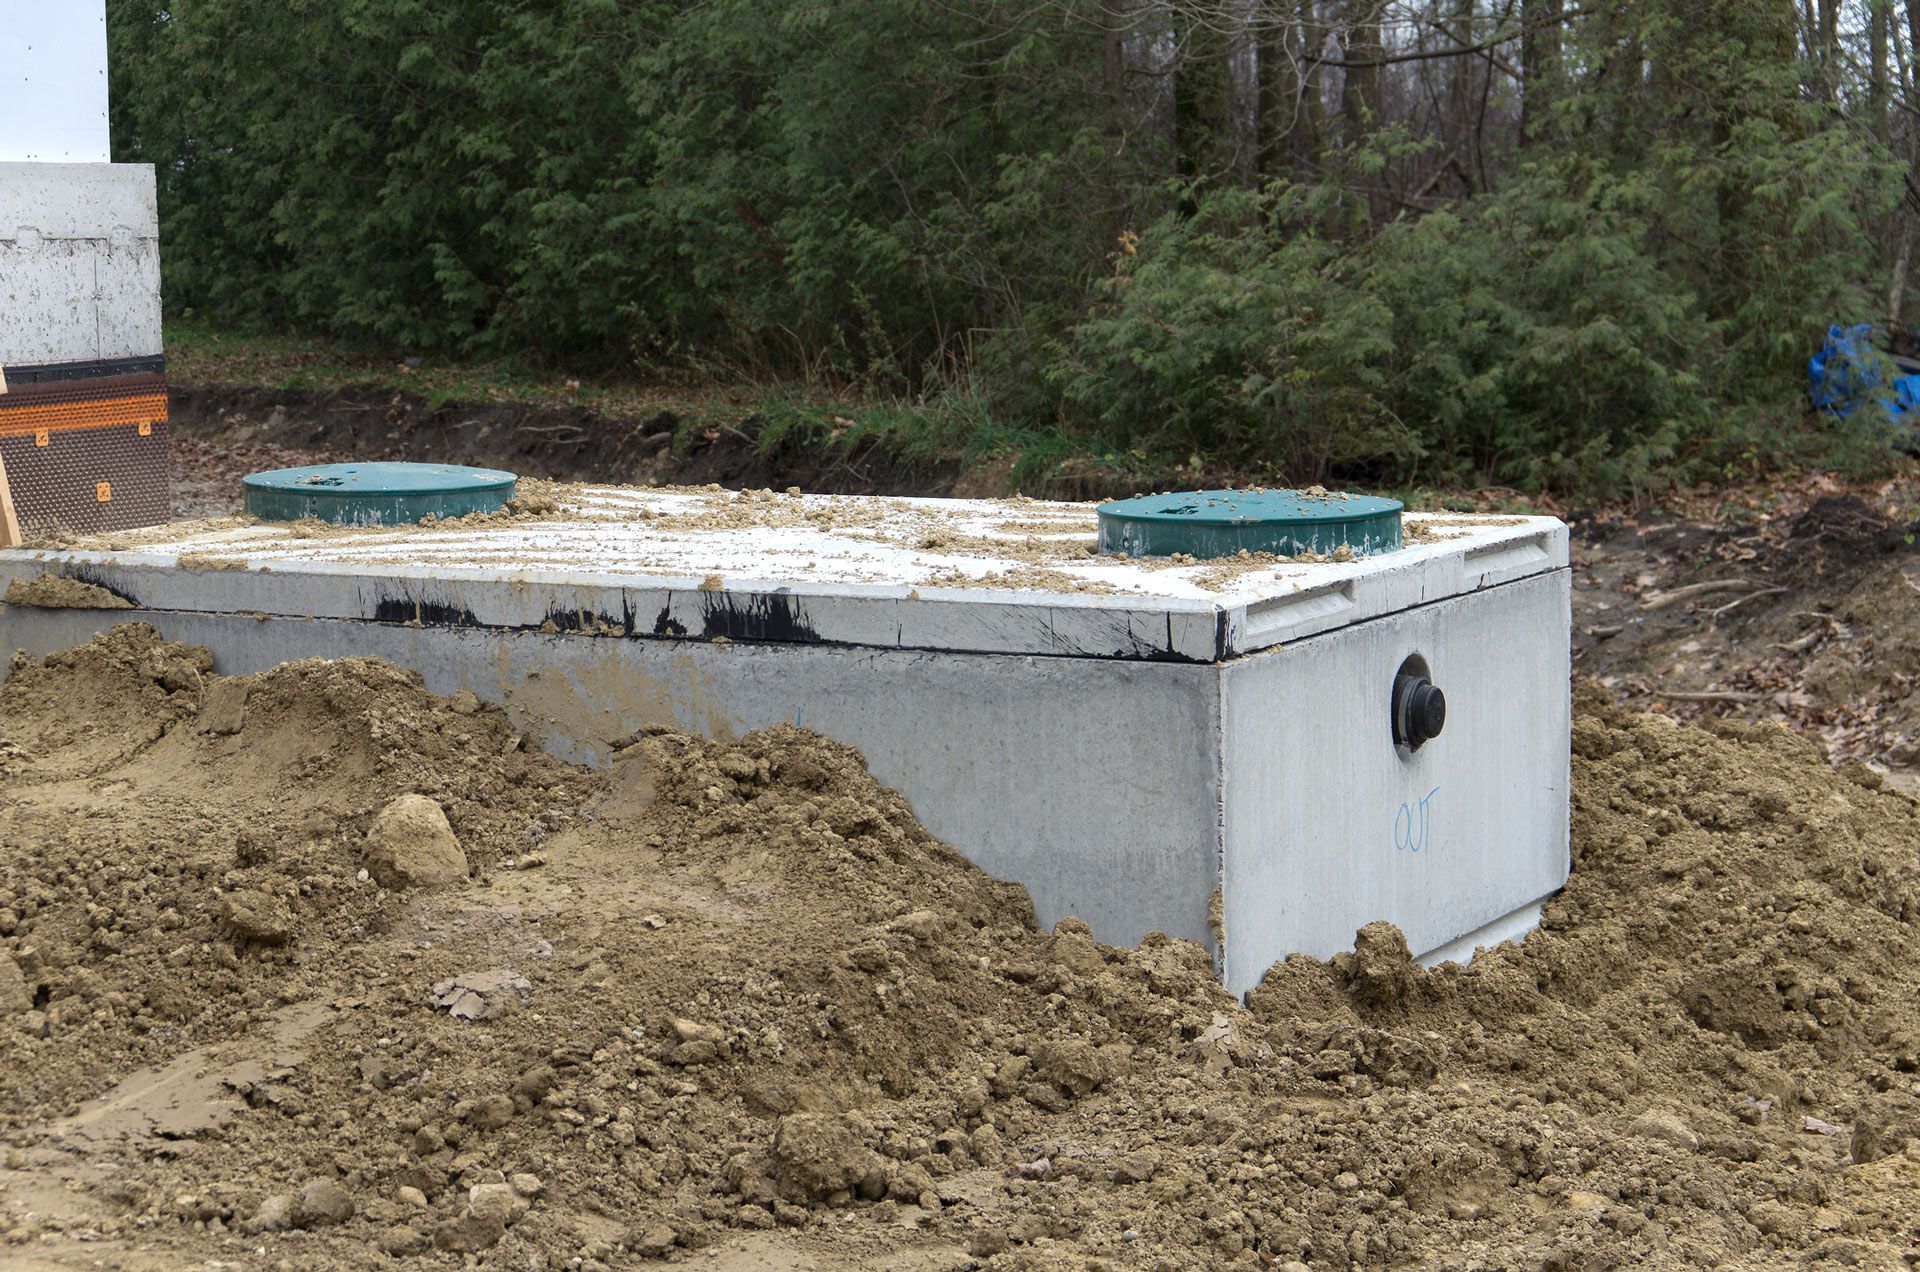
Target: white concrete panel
53 81
79 263
1330 825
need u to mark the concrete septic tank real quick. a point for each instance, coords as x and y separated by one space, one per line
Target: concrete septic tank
1137 741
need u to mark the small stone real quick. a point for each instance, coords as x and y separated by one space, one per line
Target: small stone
536 1082
817 1156
256 917
692 1030
909 1180
1346 1181
527 1185
698 1043
1045 1096
410 1196
224 709
427 1141
323 1203
482 995
496 1201
1660 1124
921 926
411 844
469 1234
275 1214
402 1243
653 1243
14 994
1029 1227
1580 1199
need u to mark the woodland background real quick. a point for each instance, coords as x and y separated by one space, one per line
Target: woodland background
1563 245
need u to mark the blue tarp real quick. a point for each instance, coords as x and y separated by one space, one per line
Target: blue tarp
1848 371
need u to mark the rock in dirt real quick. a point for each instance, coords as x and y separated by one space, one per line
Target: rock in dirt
223 711
651 1243
497 1201
695 1043
1664 1125
411 845
256 918
14 994
1137 1167
322 1204
275 1214
1218 1044
401 1242
482 995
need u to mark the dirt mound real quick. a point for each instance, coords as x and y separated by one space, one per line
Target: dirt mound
728 1001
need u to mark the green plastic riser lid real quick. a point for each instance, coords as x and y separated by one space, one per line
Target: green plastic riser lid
1220 523
379 494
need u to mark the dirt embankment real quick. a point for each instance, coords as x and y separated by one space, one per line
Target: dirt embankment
313 969
558 443
1807 613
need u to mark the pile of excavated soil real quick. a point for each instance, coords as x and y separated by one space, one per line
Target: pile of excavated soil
313 969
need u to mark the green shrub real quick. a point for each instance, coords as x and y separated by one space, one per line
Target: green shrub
1216 335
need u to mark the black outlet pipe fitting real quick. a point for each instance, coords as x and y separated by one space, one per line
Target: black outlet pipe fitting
1419 711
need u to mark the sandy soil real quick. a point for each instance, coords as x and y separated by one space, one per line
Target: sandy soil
313 969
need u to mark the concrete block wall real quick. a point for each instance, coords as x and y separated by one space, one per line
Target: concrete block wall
79 263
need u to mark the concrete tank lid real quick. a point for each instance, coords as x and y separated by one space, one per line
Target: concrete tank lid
1013 576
